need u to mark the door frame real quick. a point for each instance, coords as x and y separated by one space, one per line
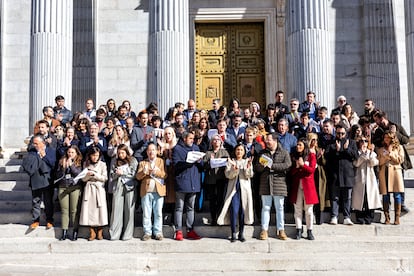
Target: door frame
275 64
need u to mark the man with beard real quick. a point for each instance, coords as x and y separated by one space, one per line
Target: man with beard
339 157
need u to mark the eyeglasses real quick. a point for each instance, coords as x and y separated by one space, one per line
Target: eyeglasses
341 133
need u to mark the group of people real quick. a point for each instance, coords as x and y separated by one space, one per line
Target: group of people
103 162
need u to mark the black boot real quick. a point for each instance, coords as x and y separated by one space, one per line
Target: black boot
64 235
233 237
75 235
298 234
310 235
241 237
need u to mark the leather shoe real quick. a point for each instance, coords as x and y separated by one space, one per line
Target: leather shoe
34 225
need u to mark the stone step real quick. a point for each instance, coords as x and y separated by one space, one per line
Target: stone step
223 232
18 195
14 206
12 169
13 185
14 176
10 162
190 263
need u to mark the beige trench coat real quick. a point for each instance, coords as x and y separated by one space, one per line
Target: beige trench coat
392 161
365 177
94 211
244 174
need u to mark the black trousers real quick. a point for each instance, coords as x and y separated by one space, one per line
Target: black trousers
45 194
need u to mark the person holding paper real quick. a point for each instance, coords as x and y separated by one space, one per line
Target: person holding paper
238 202
215 181
188 184
273 185
123 187
69 191
151 173
94 212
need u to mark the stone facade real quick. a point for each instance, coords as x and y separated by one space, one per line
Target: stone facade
113 54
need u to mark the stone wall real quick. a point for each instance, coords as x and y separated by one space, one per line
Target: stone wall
122 51
15 38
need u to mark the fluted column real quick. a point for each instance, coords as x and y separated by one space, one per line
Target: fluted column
51 54
309 62
385 58
169 76
409 9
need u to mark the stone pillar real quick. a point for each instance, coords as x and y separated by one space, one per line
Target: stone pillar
51 55
169 61
385 58
309 64
409 9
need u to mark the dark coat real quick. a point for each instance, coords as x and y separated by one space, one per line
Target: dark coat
187 175
138 142
216 174
339 165
39 169
273 180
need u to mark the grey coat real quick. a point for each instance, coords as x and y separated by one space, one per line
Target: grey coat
273 180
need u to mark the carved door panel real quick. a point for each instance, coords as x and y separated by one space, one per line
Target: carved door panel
229 62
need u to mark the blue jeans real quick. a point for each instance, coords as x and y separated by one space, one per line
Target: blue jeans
152 203
397 198
280 212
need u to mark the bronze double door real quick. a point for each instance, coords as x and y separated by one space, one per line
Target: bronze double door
229 62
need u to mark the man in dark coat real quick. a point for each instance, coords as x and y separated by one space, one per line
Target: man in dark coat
39 164
188 184
141 136
339 158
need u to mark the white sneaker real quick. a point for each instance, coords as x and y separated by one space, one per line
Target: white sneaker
334 221
348 221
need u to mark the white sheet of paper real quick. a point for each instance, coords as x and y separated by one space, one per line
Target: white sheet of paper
194 156
218 162
211 133
81 175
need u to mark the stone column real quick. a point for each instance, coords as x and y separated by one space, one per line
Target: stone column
385 58
409 11
309 64
169 61
51 55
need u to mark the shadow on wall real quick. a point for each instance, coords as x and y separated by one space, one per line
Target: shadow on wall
143 5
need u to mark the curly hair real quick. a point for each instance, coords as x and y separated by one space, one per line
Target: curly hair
394 140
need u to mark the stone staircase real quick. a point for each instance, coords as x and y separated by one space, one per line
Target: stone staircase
338 250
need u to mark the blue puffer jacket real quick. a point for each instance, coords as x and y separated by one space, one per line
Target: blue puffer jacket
187 175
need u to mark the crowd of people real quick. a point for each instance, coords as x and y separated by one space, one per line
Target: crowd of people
106 162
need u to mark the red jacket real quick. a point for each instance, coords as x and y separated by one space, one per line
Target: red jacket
306 173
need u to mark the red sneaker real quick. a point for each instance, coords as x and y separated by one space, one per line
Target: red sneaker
192 235
179 235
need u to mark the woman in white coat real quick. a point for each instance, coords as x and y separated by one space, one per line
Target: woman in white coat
94 212
238 202
365 194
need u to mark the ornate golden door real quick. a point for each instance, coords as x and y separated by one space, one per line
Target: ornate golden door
229 61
